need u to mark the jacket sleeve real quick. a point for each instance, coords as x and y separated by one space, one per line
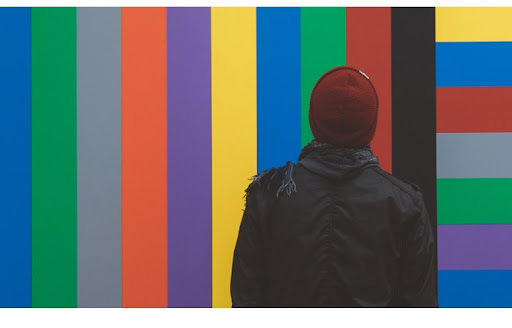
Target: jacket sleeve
418 281
247 277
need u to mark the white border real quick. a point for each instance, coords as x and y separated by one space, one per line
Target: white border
254 318
249 3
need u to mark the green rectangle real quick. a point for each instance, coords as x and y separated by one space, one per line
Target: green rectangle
323 44
54 157
474 201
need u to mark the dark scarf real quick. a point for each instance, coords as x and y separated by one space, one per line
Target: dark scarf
319 148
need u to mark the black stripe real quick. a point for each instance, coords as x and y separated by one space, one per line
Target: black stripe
414 101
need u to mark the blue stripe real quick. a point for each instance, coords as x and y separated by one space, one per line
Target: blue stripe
15 165
475 288
278 83
473 64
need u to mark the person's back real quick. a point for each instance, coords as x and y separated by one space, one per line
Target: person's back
333 230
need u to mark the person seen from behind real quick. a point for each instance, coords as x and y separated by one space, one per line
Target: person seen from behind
335 230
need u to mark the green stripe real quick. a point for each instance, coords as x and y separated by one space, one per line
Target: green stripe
474 201
54 157
322 48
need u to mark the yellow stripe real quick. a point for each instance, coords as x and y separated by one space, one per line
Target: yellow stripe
474 24
233 32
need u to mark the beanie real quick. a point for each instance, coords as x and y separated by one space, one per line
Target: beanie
343 108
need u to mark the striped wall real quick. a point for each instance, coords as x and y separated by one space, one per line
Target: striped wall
474 175
130 135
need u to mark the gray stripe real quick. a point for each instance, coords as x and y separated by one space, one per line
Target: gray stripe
99 156
474 155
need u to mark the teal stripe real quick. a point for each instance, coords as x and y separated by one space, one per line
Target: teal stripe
323 42
54 195
474 201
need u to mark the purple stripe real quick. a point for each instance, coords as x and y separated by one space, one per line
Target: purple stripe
189 157
475 247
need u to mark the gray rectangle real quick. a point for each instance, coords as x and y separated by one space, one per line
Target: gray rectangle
99 156
474 155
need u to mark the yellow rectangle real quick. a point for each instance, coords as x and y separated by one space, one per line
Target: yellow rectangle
233 44
466 24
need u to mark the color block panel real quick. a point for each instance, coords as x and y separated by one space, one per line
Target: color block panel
414 100
322 48
473 24
54 204
369 33
475 247
468 288
473 64
233 134
189 157
461 109
144 157
99 156
278 54
474 155
474 201
15 165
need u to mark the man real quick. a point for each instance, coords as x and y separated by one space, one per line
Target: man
335 230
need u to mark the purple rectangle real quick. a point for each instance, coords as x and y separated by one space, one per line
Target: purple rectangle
475 247
189 157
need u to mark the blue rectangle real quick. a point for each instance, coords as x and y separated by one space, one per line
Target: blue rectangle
15 154
278 83
473 64
475 288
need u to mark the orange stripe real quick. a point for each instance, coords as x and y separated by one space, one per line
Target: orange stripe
144 157
369 49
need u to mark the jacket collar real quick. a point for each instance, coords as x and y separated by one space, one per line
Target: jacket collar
335 162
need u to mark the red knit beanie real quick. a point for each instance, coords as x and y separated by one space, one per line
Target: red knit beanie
343 108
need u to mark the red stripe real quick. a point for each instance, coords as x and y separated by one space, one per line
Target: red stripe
474 109
144 156
369 49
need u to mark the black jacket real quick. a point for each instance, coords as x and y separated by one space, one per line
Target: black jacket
333 231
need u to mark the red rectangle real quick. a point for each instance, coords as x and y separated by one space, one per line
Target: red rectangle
369 49
144 156
474 109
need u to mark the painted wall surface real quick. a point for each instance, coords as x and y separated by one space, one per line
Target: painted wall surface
128 137
474 177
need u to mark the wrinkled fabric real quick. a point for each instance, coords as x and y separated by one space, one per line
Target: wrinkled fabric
349 235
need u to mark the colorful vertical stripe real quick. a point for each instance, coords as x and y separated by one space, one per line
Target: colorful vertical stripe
414 100
279 89
15 149
368 34
99 156
54 259
144 157
473 138
189 157
233 32
323 46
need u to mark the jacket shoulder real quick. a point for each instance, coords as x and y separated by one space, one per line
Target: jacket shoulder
275 180
407 187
